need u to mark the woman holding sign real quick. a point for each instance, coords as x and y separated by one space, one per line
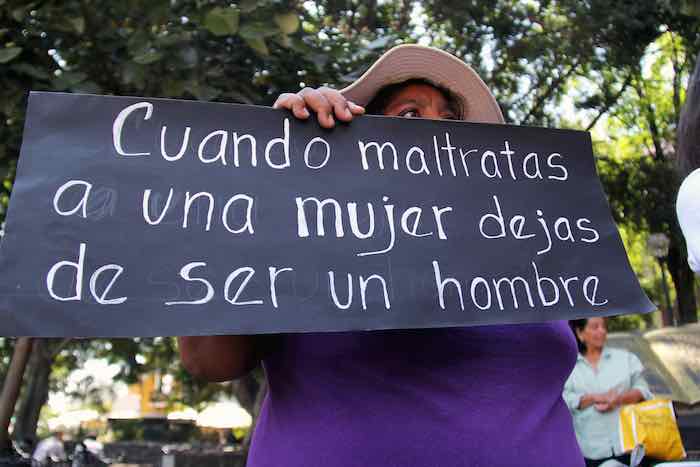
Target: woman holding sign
483 395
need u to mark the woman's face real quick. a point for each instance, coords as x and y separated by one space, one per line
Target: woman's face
594 334
420 101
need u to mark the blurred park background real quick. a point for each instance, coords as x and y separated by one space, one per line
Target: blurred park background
616 68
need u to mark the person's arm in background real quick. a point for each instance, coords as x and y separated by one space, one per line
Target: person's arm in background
588 400
631 396
220 358
638 391
576 400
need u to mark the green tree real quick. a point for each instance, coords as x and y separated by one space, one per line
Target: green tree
639 173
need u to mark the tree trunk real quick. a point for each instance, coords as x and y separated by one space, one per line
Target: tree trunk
36 391
689 125
684 283
688 138
12 385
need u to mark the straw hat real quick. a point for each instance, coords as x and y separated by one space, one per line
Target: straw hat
410 61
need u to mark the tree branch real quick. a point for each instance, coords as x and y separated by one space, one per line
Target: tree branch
650 116
552 87
610 103
677 70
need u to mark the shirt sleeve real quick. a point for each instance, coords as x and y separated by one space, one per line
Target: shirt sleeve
572 398
688 212
637 380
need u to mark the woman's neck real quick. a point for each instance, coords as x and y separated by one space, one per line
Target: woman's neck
593 355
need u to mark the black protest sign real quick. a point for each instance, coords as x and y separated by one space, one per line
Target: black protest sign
143 217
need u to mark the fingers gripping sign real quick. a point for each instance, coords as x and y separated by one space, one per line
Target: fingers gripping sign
328 104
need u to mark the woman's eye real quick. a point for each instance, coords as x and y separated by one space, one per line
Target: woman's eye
409 113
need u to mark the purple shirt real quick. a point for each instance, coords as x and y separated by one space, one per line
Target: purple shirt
478 396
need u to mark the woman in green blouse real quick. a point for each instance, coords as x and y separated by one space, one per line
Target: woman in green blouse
602 381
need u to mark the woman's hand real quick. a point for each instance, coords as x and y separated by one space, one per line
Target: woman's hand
602 402
588 400
327 103
608 401
605 406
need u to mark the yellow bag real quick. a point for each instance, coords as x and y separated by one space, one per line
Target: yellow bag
653 424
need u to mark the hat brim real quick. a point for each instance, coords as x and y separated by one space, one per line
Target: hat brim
412 61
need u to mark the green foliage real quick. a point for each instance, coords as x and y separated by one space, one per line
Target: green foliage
222 21
641 192
532 53
637 163
189 49
628 323
8 53
6 187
